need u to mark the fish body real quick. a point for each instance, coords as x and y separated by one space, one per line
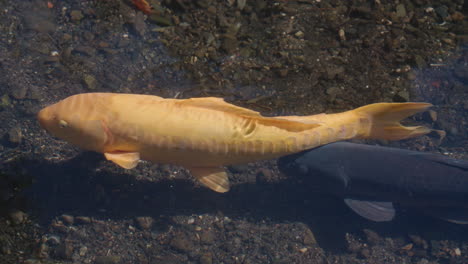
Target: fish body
374 179
204 134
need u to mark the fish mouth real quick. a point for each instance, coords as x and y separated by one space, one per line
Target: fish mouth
44 118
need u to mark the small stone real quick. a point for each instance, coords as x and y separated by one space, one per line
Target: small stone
303 250
401 10
67 219
20 92
457 16
65 250
90 81
299 34
229 43
66 37
433 115
76 15
283 73
404 96
15 135
309 238
107 260
17 217
182 243
144 222
207 237
365 253
82 220
442 11
264 175
82 251
5 101
206 258
372 237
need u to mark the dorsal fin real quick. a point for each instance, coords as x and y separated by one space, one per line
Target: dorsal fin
219 104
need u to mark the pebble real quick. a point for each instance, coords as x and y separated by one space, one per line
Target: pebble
15 135
144 222
20 92
65 250
206 258
67 219
90 81
76 15
82 251
309 238
372 237
264 175
182 243
17 217
82 220
207 237
401 10
5 101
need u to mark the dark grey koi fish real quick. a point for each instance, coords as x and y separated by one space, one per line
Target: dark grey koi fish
372 180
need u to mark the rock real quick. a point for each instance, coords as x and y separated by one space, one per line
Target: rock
206 258
19 92
82 220
64 250
372 237
4 101
309 238
144 222
400 11
15 135
90 81
182 243
229 43
76 15
442 11
67 219
17 217
333 72
207 237
283 73
107 260
365 253
264 175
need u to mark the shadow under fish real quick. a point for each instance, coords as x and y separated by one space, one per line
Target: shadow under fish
374 180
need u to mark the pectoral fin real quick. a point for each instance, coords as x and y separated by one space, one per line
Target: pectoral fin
126 160
214 178
374 211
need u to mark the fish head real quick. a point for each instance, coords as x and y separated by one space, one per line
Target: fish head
75 126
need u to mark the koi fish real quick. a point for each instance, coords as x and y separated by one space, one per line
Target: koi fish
205 134
375 181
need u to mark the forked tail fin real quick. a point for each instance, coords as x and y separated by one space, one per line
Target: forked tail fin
385 120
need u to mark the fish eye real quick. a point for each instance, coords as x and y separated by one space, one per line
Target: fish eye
63 123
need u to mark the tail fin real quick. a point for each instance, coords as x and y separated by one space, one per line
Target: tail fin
385 120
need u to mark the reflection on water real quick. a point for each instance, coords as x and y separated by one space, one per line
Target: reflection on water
277 57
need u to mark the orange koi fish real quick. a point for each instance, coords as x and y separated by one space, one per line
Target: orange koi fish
205 134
